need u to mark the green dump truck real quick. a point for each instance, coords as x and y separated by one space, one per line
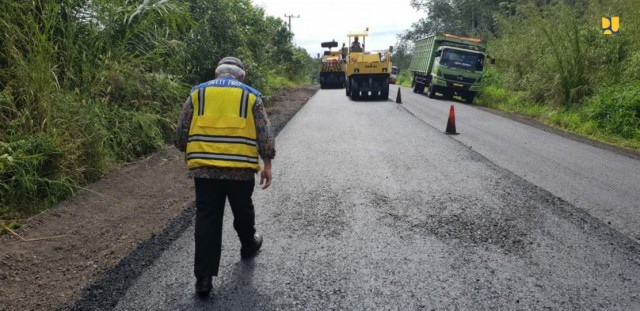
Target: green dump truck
448 64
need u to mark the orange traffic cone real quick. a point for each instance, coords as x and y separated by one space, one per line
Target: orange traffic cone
451 123
398 97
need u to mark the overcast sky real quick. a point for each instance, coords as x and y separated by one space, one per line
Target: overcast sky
324 20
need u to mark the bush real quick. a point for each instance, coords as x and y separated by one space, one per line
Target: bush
404 78
30 174
616 110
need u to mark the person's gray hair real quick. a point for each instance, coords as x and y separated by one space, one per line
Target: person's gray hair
230 70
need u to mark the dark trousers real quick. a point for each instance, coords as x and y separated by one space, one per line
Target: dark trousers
210 199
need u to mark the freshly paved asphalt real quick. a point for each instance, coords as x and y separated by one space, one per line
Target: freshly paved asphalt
603 183
372 208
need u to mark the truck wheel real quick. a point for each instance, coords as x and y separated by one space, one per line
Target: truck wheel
447 94
432 91
418 88
469 97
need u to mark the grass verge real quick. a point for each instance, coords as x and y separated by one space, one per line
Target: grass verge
611 116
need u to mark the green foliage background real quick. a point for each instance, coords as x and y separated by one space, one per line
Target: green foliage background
553 62
87 85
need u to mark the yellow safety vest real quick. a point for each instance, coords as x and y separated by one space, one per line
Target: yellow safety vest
223 132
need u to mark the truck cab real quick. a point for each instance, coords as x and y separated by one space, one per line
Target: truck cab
456 71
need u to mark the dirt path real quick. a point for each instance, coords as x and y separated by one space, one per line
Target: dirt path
104 223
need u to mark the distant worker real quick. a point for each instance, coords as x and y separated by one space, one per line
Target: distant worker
344 52
223 128
355 45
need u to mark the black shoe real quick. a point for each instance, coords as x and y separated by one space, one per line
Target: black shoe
251 248
203 286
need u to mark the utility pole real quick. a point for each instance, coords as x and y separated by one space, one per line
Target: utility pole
291 16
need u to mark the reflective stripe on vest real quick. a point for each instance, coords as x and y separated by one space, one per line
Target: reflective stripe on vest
223 132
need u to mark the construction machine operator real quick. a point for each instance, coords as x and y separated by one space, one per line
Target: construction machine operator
355 45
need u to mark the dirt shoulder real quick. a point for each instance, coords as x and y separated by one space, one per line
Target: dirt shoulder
129 214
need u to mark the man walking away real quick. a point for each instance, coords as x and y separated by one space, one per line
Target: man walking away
223 128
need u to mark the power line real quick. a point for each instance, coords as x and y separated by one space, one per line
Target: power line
290 17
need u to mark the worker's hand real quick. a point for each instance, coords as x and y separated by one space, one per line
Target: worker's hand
265 178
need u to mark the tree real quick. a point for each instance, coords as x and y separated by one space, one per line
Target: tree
463 17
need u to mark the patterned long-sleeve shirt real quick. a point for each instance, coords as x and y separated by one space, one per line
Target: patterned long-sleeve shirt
265 140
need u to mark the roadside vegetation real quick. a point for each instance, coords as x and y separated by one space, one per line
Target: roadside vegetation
553 61
88 85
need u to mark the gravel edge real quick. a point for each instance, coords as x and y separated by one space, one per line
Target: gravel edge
114 283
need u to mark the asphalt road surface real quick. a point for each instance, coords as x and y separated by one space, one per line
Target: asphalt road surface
602 183
373 208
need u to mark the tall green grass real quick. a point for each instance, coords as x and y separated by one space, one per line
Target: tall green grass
88 85
554 64
611 115
404 78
